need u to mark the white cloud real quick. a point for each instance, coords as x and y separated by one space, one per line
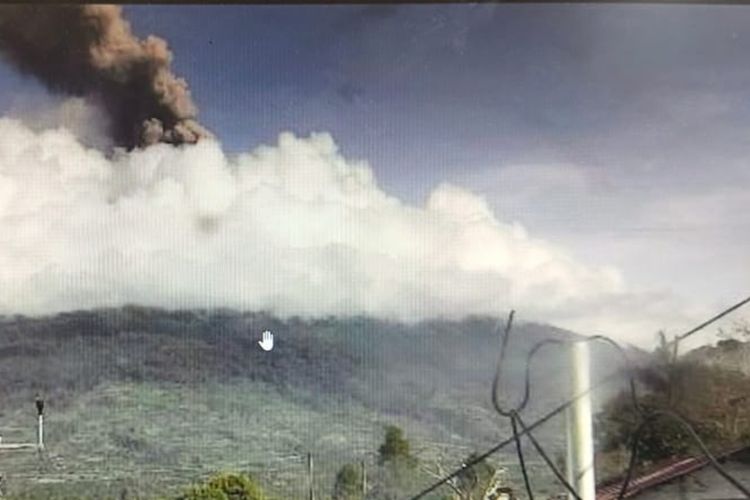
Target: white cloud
678 233
293 228
83 118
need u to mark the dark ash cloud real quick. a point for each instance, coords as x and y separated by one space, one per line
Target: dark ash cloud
90 51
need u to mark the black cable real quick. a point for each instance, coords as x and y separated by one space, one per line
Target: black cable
657 414
713 319
558 409
548 460
678 338
513 414
636 437
594 338
535 349
484 456
474 481
498 367
533 352
510 413
529 357
519 453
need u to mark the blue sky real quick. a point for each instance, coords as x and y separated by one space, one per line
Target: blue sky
617 131
440 89
649 102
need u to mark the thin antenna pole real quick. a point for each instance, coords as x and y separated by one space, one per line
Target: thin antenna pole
40 422
581 424
364 478
310 481
40 432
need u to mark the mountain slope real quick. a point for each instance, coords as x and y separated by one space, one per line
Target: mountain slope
169 396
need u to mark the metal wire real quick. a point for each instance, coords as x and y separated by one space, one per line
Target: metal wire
507 412
713 319
549 462
647 419
484 456
519 453
526 430
513 413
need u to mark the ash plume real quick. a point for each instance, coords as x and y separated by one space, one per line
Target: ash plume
90 51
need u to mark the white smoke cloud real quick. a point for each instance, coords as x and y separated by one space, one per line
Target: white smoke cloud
295 229
82 117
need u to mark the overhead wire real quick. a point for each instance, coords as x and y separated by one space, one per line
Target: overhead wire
647 419
519 454
514 413
511 413
526 430
548 461
502 444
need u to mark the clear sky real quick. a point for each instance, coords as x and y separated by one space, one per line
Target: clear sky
617 131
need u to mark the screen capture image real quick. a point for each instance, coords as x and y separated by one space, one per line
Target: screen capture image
470 251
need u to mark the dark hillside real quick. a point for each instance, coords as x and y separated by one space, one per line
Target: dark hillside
72 352
112 378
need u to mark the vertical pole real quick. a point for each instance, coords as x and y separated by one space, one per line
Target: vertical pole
40 432
570 473
40 422
310 481
581 424
364 479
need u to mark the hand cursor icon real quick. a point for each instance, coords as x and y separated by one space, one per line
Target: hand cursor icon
267 343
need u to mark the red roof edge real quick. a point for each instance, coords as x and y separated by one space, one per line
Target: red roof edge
663 473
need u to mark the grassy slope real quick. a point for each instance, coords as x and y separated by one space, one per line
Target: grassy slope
150 400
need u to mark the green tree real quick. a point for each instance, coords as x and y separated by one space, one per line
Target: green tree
713 399
225 487
349 482
395 448
397 465
662 438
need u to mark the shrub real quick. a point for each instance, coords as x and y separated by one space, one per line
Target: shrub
713 399
225 487
348 483
395 447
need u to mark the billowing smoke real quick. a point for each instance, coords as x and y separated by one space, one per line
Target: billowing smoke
293 228
90 51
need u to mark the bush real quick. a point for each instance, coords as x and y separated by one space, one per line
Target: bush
395 448
348 483
398 468
225 487
713 399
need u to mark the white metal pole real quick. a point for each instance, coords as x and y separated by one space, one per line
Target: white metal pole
40 432
581 423
364 478
310 476
570 474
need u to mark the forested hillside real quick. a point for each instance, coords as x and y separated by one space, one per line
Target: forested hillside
155 398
